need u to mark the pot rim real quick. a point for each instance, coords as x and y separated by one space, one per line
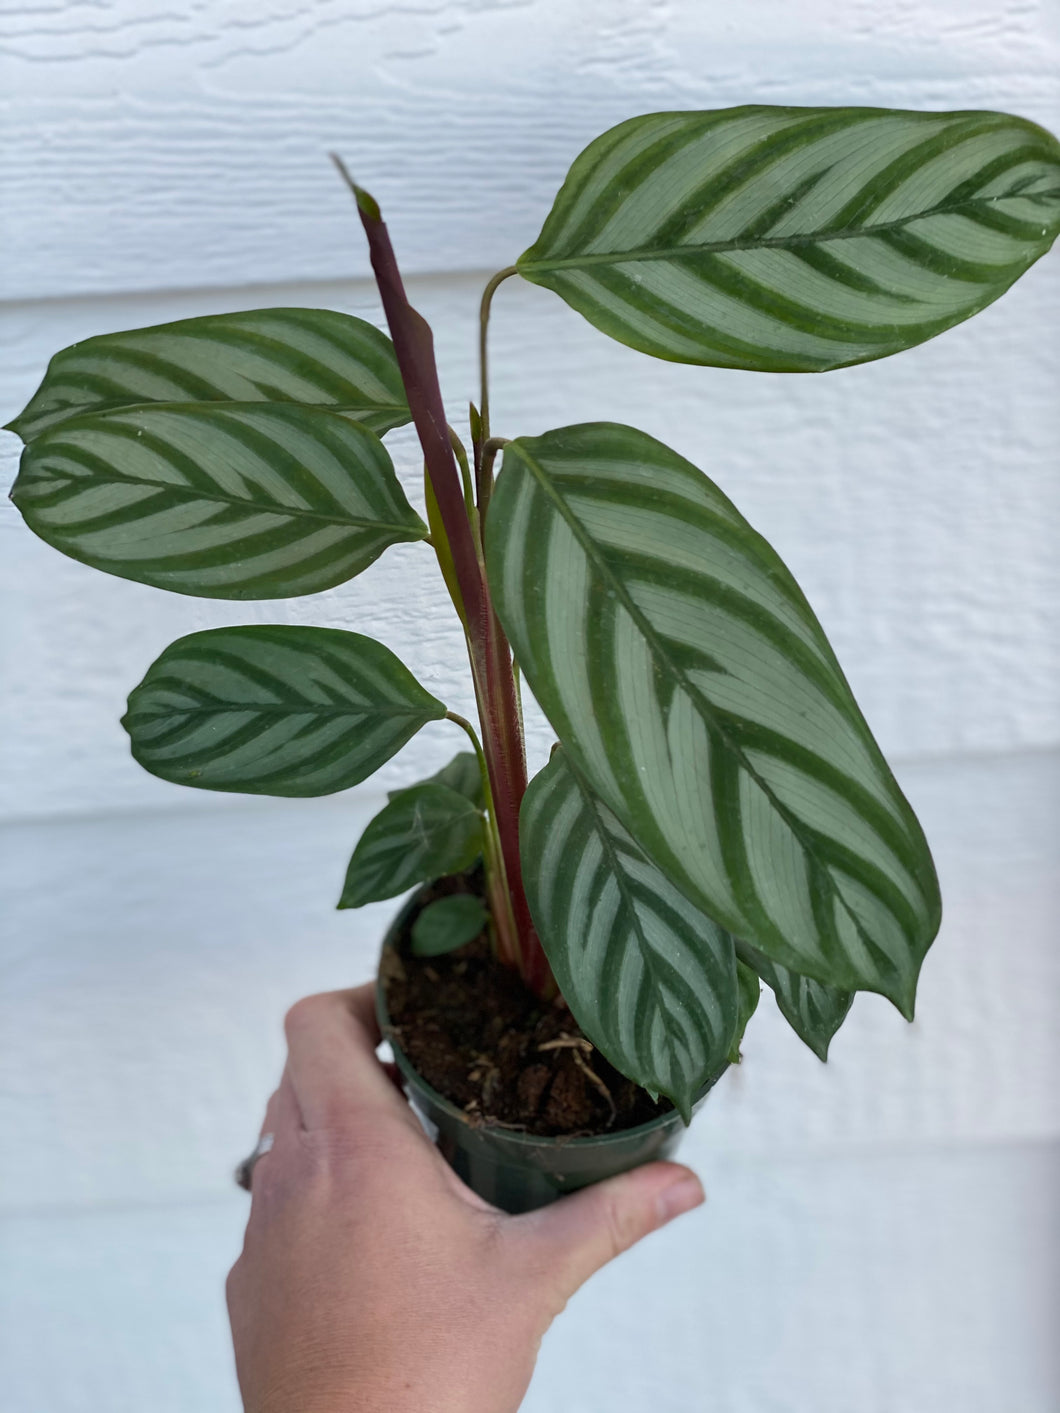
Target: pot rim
514 1136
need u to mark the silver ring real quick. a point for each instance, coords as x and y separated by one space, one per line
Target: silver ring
245 1170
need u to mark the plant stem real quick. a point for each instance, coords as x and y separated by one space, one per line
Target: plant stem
484 486
496 874
491 660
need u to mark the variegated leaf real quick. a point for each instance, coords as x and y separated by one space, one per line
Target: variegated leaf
425 832
309 356
463 774
693 687
649 978
274 710
241 501
813 1010
795 240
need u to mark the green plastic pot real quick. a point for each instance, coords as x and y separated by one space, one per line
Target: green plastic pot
517 1171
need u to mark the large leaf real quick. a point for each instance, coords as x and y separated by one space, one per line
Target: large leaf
795 240
425 832
274 710
309 356
649 978
814 1011
243 501
693 687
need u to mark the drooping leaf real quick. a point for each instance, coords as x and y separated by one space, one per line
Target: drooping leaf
749 991
649 978
448 923
242 501
463 774
425 832
274 710
813 1010
310 356
797 239
688 678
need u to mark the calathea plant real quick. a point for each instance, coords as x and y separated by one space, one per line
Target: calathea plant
716 810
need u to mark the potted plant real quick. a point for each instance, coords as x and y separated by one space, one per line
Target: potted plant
585 948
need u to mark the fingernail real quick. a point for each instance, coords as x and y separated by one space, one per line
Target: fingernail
680 1197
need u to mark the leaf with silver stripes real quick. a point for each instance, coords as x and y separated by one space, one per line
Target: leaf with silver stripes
310 356
649 978
240 501
814 1011
692 686
427 831
274 710
794 240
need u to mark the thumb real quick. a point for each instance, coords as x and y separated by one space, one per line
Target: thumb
578 1234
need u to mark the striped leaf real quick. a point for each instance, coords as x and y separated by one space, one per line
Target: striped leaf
425 832
794 240
749 993
463 774
244 501
692 685
814 1011
274 710
309 356
649 978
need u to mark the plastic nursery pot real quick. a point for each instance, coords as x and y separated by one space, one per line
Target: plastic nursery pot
517 1171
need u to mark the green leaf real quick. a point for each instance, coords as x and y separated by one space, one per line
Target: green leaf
423 833
274 710
448 923
749 990
814 1011
244 501
463 774
691 684
794 240
649 978
309 356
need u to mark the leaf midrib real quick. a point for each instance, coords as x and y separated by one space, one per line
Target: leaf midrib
792 821
219 498
754 242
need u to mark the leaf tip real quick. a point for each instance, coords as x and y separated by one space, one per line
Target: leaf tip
366 202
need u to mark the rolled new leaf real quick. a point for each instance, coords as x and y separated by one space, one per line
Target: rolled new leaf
749 992
794 240
309 356
274 710
242 501
813 1010
692 686
649 978
425 832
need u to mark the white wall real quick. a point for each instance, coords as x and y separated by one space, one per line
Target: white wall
883 1233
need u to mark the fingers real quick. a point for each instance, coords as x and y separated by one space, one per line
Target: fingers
331 1060
578 1234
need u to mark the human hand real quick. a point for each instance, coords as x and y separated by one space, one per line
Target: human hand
371 1278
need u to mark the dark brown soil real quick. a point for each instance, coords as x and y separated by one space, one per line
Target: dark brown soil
477 1035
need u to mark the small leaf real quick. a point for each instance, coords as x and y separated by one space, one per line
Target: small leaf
243 501
274 710
448 923
797 239
814 1011
649 978
462 774
425 832
749 991
308 356
692 686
